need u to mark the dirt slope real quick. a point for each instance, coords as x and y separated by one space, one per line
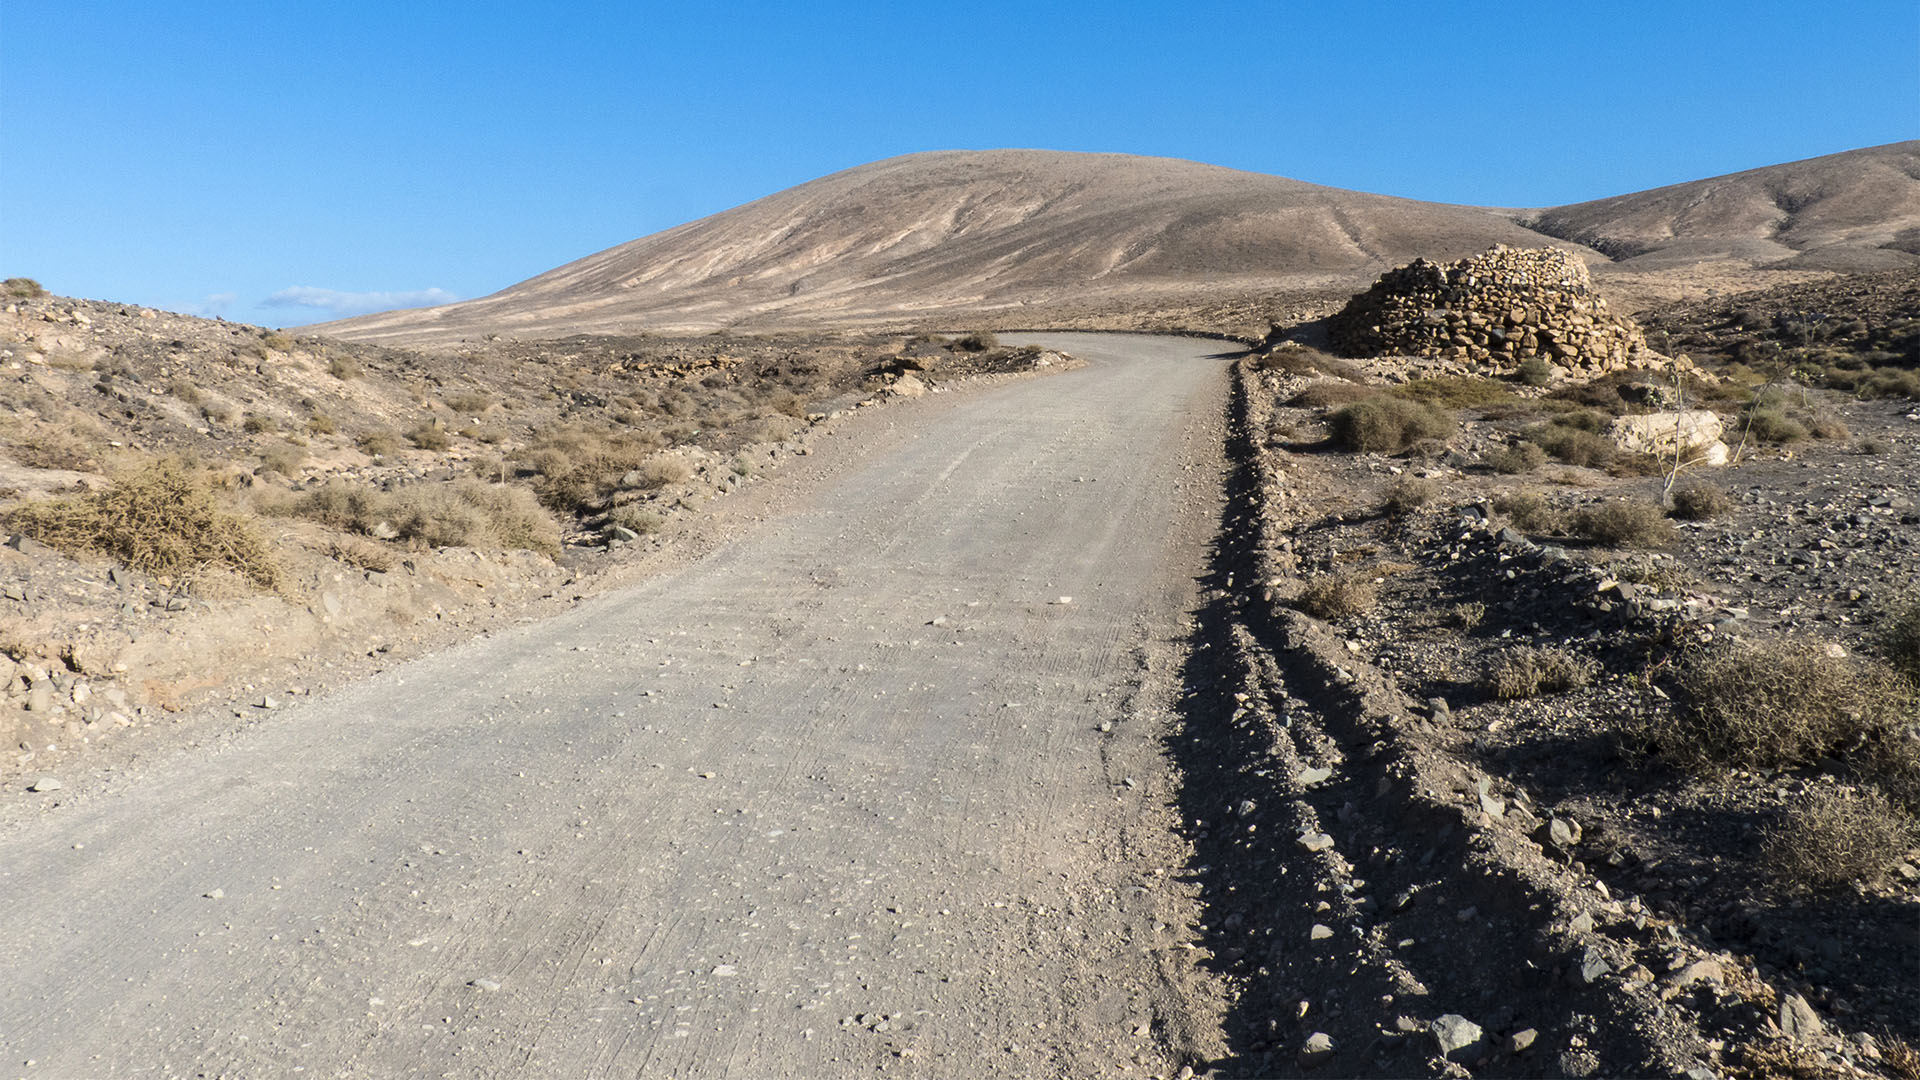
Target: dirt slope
836 798
984 231
1859 210
1036 237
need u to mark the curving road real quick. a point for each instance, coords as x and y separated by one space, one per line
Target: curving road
835 798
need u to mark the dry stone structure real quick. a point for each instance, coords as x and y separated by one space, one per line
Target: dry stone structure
1494 310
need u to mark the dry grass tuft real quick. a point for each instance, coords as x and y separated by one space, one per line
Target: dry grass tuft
162 520
1337 596
1528 672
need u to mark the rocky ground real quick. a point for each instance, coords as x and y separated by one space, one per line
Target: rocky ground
1431 870
624 440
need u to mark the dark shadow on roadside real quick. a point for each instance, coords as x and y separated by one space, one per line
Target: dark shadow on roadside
1258 900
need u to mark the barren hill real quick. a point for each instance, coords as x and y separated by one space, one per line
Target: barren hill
1009 233
977 231
1855 211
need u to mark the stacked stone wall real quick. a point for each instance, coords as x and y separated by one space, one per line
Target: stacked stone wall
1495 310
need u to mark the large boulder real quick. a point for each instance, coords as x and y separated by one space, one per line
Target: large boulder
1695 434
1495 310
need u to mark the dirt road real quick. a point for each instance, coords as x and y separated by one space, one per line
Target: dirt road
840 797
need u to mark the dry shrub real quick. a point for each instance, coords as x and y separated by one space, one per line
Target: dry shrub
162 520
1409 493
1534 371
1329 393
1571 444
344 368
1624 523
461 513
430 437
1773 425
1783 1060
470 404
1529 512
1900 636
24 288
1782 704
644 522
360 554
1296 359
1521 457
658 472
978 341
1468 615
284 459
1337 596
45 446
1828 425
576 468
1637 465
1528 672
1901 1059
1388 425
378 443
1835 838
185 391
1456 391
1699 500
320 424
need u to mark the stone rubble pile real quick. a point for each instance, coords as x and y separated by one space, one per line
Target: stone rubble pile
1494 310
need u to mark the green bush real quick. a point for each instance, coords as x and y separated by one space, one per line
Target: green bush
1388 425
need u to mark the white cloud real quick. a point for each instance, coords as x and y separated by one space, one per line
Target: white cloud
356 303
215 304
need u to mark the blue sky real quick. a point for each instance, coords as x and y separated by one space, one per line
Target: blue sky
283 163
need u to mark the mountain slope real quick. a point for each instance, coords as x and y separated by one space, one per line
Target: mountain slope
1838 212
997 233
973 230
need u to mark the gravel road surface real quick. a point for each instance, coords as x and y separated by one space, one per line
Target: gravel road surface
836 798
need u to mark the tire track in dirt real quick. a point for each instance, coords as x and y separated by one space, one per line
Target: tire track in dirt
834 798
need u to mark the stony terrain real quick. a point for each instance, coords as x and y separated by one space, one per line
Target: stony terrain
1623 910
